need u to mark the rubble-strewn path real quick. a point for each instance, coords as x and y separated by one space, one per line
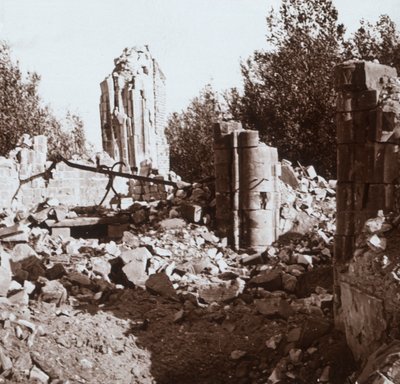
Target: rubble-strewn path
169 302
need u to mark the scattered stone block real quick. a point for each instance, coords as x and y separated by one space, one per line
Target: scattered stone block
5 281
5 361
64 232
36 375
141 254
191 212
21 252
289 282
101 266
13 230
224 291
294 335
172 223
271 280
79 279
55 272
162 252
135 265
160 284
288 175
19 298
130 239
29 268
274 341
274 307
256 258
311 172
53 292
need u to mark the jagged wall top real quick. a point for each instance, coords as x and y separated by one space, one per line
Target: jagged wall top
133 61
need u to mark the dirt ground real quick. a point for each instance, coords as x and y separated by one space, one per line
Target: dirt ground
134 337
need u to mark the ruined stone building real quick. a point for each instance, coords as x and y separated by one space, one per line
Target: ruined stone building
132 112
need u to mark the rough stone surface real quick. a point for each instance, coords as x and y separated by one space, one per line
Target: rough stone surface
160 284
274 306
366 263
5 281
69 185
133 123
271 280
135 269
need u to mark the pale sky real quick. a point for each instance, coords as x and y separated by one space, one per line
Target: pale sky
72 43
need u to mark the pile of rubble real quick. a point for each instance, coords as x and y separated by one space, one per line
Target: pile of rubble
168 253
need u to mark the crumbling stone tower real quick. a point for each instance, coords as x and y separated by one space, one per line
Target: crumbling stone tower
132 112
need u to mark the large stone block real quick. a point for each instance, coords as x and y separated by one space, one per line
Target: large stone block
367 163
357 101
365 196
364 320
357 127
361 75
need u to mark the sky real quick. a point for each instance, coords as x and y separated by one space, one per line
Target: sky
72 43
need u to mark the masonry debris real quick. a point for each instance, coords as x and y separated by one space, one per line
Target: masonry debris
146 291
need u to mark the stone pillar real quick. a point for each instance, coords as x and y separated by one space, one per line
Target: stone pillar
224 185
247 190
259 192
367 164
365 156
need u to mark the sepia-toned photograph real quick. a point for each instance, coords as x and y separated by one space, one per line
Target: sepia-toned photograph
199 192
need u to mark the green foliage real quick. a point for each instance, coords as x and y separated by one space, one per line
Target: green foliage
288 90
21 111
379 41
288 93
69 139
190 136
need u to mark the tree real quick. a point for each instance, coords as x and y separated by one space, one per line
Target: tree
190 136
21 111
69 138
379 41
288 90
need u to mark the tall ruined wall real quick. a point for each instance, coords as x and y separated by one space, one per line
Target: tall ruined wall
132 112
368 132
70 186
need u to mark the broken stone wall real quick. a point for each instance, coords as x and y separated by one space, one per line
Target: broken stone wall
368 170
70 186
247 187
132 112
